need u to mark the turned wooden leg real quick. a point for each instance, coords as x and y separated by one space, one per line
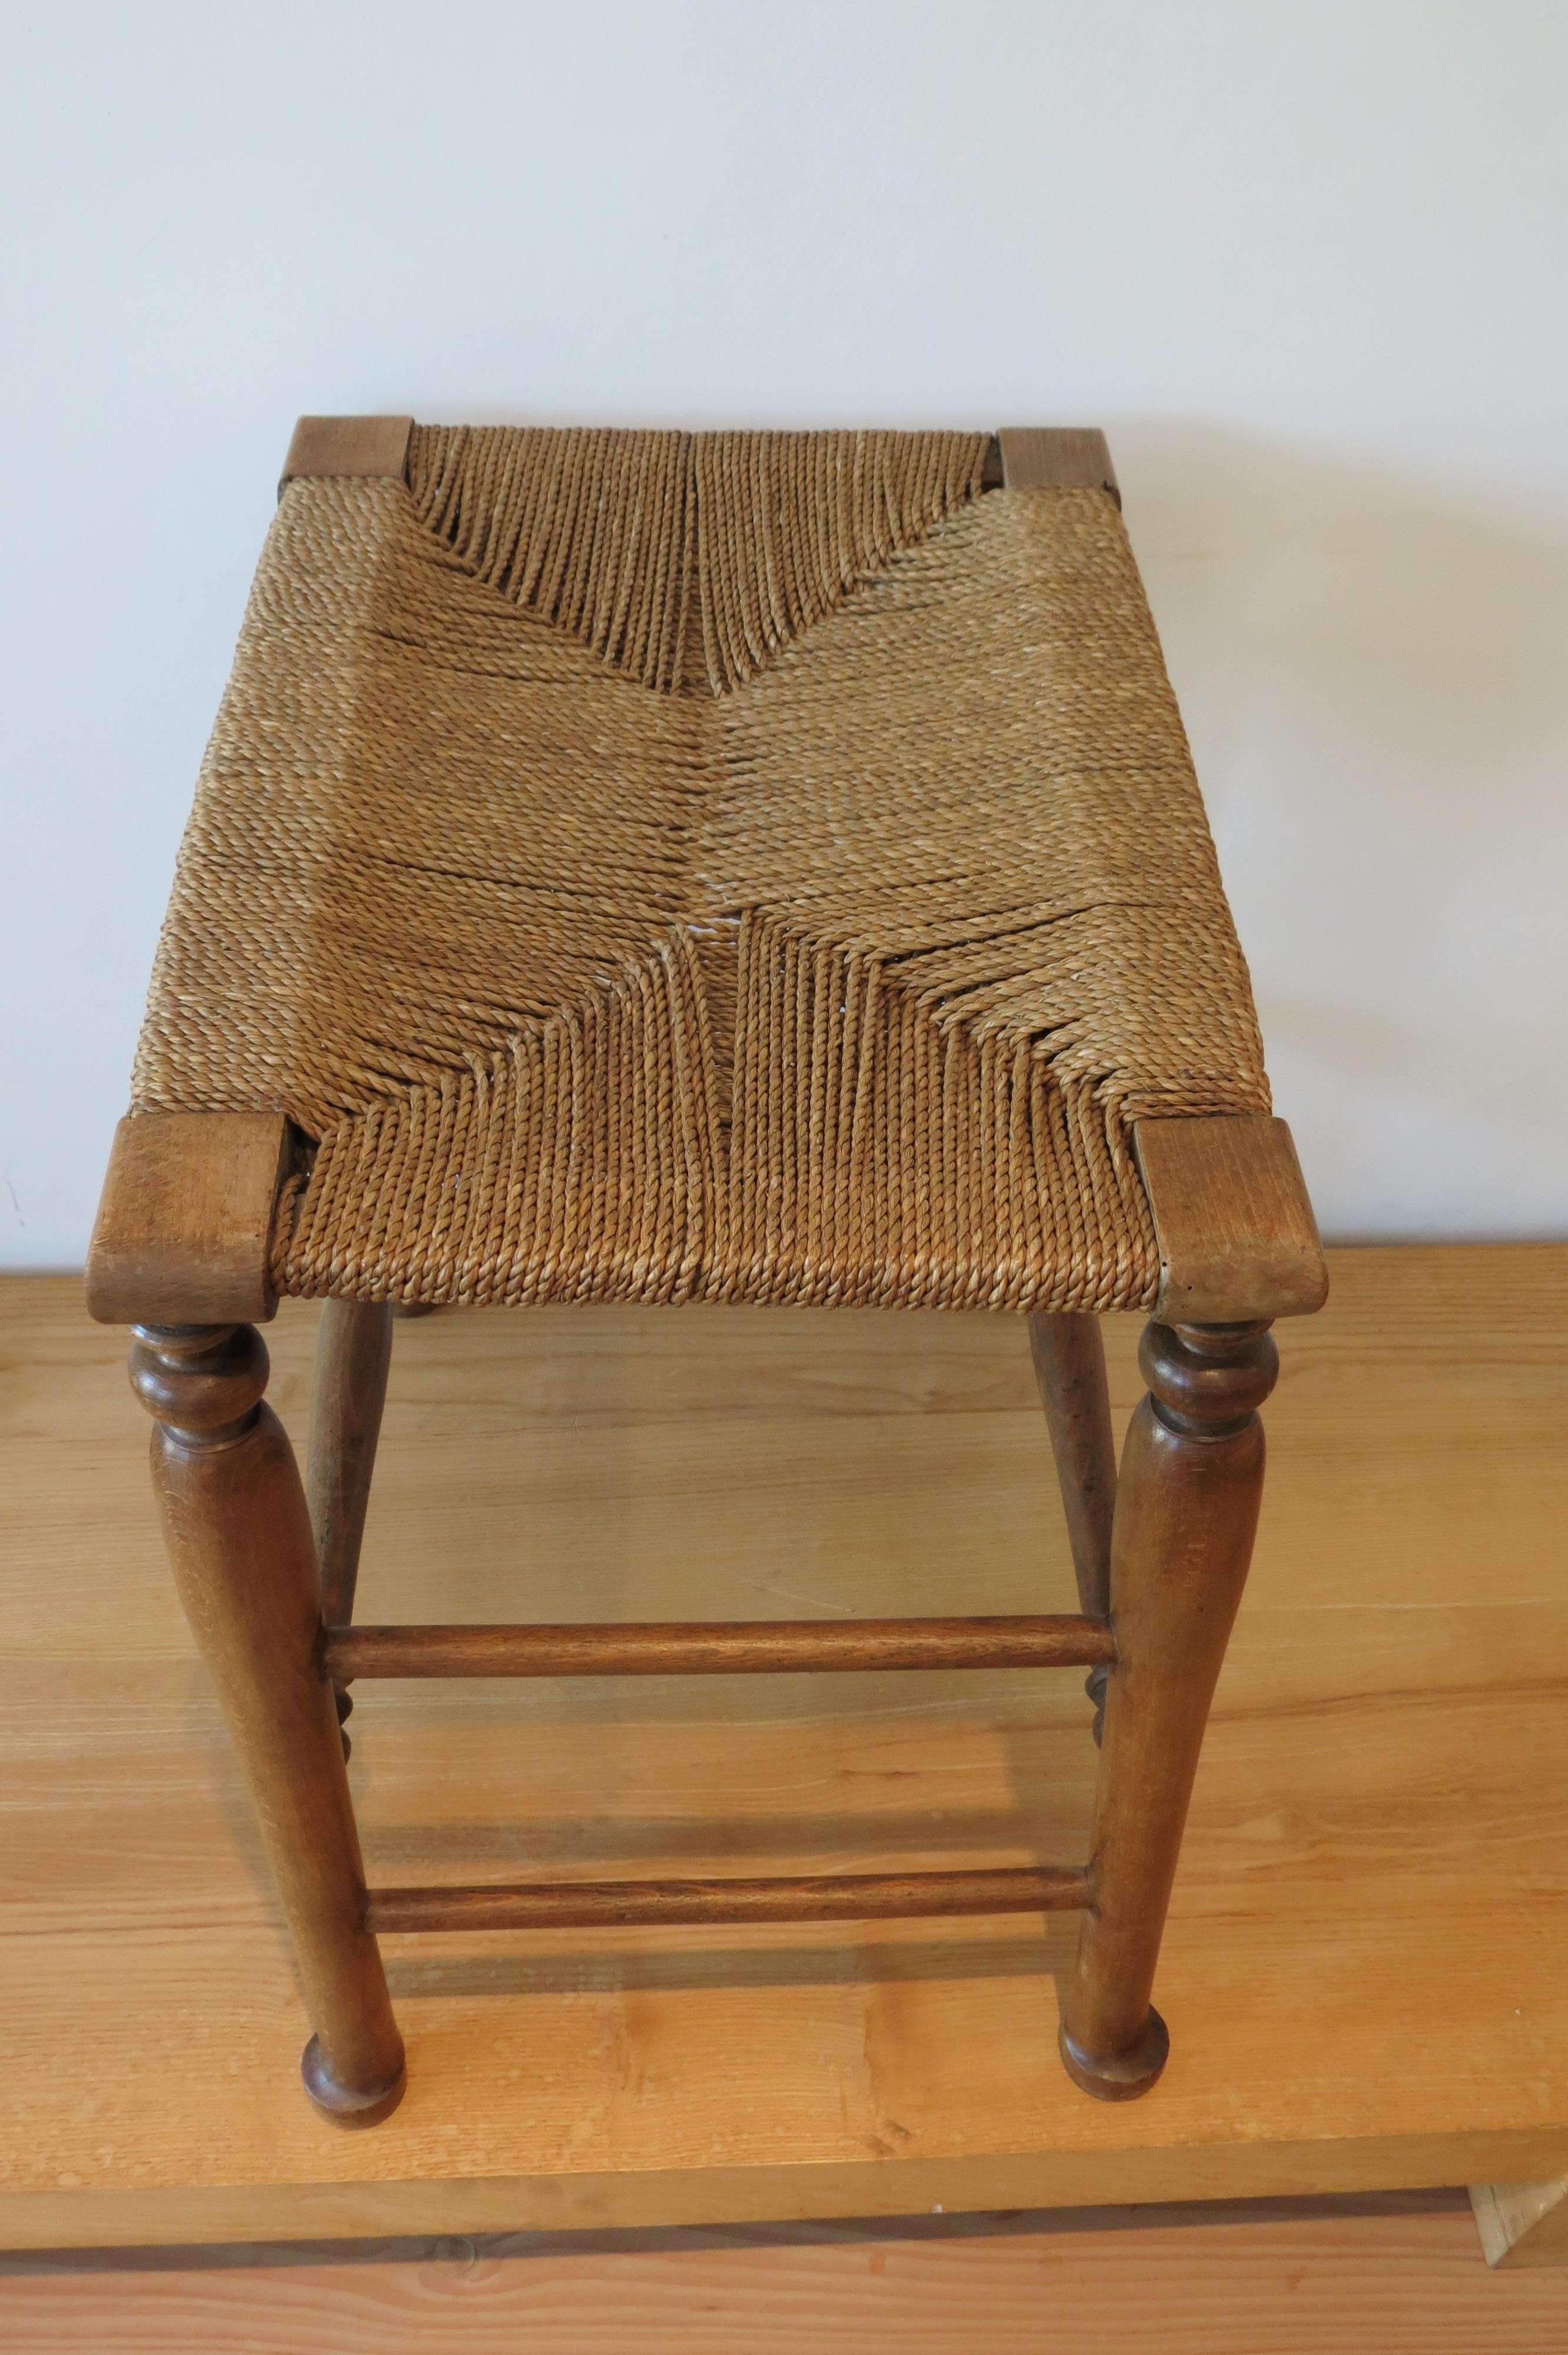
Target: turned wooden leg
240 1540
1192 1477
354 1350
1070 1367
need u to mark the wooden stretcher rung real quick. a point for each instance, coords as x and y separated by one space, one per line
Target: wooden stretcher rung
818 1897
722 1647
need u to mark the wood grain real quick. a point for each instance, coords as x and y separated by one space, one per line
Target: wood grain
186 1220
348 1396
733 1900
354 1350
244 1562
1237 1238
1069 1359
1376 1835
1186 1513
721 1647
1292 2283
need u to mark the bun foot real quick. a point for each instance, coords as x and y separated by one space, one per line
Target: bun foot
1125 2075
342 2103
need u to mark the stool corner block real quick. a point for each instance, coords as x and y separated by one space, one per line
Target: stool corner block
185 1225
1236 1234
377 446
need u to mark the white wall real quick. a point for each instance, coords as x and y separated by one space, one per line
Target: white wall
1305 263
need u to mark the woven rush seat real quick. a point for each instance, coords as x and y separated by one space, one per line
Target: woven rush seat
716 867
746 867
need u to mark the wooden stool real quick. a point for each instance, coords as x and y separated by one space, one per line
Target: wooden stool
757 868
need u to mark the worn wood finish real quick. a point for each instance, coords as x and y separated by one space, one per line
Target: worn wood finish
1187 1505
240 1540
652 1904
354 1350
1056 458
1237 1238
724 1647
1069 1359
1382 1802
1361 2279
348 446
1523 2224
184 1222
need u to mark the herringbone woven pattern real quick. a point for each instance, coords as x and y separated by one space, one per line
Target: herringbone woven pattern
747 866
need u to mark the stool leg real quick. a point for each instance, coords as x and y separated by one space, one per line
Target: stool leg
354 1350
1070 1369
240 1540
1187 1503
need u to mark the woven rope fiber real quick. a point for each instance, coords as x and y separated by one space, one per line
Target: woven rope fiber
747 867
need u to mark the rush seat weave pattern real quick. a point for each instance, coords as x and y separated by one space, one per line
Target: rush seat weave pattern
730 867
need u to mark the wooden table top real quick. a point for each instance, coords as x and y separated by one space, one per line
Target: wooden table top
1363 1973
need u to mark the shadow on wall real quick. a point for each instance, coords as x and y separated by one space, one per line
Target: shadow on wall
1376 688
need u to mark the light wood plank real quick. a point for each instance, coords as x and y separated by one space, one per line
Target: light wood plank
1374 1858
1364 2285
